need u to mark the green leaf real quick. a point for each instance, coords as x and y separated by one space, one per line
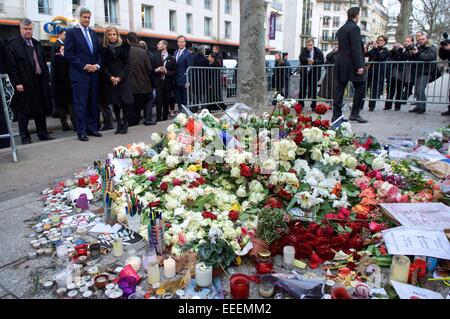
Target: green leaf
292 203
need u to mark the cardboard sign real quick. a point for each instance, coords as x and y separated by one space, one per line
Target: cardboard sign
128 236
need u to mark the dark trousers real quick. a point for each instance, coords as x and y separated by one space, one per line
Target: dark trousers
39 119
106 112
163 94
358 98
308 87
401 90
122 121
181 93
65 109
85 106
376 80
144 102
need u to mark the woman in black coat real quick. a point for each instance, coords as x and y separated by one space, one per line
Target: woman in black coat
116 68
62 87
377 71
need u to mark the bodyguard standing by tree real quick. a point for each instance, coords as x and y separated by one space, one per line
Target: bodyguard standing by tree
350 66
83 52
29 75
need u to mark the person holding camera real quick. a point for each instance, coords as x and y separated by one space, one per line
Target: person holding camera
377 71
401 80
444 54
426 52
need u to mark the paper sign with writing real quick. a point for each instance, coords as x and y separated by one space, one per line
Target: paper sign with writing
416 241
423 215
405 291
128 236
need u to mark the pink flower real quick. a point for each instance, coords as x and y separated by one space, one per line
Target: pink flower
182 238
330 216
402 199
377 184
392 193
375 227
362 182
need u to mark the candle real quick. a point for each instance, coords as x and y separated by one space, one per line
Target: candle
149 257
239 286
400 269
169 268
118 247
266 288
153 273
203 275
61 251
135 262
288 255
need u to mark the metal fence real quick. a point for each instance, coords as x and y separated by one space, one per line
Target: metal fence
392 82
6 93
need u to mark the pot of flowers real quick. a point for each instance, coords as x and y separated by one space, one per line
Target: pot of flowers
271 224
218 254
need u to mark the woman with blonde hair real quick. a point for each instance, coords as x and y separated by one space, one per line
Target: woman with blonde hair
116 67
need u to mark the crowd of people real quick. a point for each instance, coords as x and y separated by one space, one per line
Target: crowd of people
88 79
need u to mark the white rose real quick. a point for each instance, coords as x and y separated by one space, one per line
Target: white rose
172 161
316 154
235 172
177 251
241 192
171 128
378 163
313 135
256 198
181 119
156 138
331 134
172 204
300 151
256 187
269 165
351 162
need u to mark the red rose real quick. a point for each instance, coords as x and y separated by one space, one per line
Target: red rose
330 216
325 253
209 215
201 180
298 138
326 124
164 186
321 109
246 171
362 167
298 108
140 171
317 123
355 242
233 215
256 169
308 125
271 188
304 119
154 204
273 203
177 182
194 185
303 251
375 227
285 194
315 261
290 124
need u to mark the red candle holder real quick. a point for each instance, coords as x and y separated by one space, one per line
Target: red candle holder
421 266
93 179
239 286
263 263
82 182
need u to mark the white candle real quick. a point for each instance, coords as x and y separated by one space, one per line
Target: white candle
135 262
203 275
153 273
62 251
288 255
169 268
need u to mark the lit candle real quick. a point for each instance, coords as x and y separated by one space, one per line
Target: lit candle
118 247
203 275
400 269
169 268
288 255
153 273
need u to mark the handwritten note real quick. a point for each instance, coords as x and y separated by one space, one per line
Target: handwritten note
423 215
416 241
405 291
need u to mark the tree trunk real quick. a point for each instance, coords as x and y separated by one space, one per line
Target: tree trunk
403 20
251 79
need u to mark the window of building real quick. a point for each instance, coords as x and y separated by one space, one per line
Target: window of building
207 4
326 21
75 5
227 30
324 47
189 2
111 12
189 23
279 24
327 6
364 25
228 6
44 7
172 20
336 22
337 7
333 35
147 17
325 35
2 7
208 27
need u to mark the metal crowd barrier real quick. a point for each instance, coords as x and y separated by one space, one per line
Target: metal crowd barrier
7 92
390 82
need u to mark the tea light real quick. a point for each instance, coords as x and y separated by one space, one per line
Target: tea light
203 275
87 294
48 284
72 294
115 293
288 255
153 274
118 270
83 289
36 245
239 286
169 268
48 251
40 252
61 292
32 255
110 286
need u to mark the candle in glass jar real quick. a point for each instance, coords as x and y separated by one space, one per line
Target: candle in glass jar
400 269
266 288
169 268
239 286
153 273
203 275
118 247
288 255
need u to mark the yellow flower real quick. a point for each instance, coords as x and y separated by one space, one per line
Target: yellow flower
236 207
192 168
238 260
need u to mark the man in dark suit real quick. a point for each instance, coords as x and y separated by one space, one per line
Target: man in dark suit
165 70
30 77
310 75
59 41
82 50
350 66
184 61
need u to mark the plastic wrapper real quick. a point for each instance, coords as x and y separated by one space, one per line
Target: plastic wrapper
301 288
128 271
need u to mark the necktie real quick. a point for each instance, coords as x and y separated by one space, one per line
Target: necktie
36 60
178 54
88 39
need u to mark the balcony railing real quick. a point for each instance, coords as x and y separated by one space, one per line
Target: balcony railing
112 20
147 25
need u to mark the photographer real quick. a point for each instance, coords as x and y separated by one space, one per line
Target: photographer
444 54
377 71
401 80
426 52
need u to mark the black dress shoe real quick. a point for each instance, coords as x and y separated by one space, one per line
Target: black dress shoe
106 128
414 110
46 138
446 113
83 138
96 134
358 119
